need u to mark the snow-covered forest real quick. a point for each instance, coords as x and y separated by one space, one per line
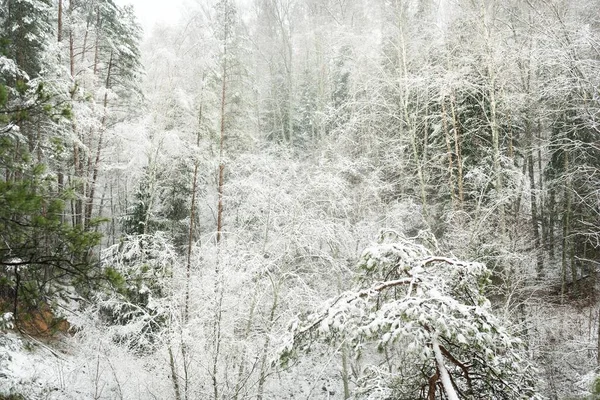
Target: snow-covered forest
300 199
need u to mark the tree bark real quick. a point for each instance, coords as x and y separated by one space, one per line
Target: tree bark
59 29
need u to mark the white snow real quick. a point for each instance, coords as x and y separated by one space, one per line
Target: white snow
444 376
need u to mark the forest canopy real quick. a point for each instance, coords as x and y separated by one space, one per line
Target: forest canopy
173 201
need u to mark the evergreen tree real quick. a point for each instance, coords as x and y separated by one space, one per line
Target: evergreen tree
428 316
41 257
26 32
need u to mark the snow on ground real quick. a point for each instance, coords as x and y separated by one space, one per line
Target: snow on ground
30 368
91 368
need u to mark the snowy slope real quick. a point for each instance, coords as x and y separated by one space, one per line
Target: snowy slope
90 369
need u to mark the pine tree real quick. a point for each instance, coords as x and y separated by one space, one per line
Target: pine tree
427 315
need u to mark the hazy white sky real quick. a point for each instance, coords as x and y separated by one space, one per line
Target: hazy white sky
151 12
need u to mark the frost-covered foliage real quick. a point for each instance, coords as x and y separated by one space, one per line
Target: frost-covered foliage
428 315
141 268
6 321
83 367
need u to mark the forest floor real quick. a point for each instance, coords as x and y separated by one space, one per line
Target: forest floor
562 343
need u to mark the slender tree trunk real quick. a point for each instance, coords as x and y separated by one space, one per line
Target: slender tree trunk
97 46
242 367
192 217
449 152
542 200
188 269
185 362
345 374
410 123
598 347
96 166
85 40
59 29
16 297
81 185
77 207
71 46
217 337
263 363
493 119
218 273
174 375
566 228
190 242
457 151
573 264
496 158
221 150
534 215
511 144
551 221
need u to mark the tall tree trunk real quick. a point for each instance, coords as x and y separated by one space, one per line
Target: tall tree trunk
77 204
221 150
96 165
218 273
457 151
193 213
493 118
345 373
263 363
534 215
408 120
449 152
242 367
551 221
16 296
217 337
97 45
598 347
59 29
566 229
188 266
85 40
71 46
540 171
174 375
499 186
